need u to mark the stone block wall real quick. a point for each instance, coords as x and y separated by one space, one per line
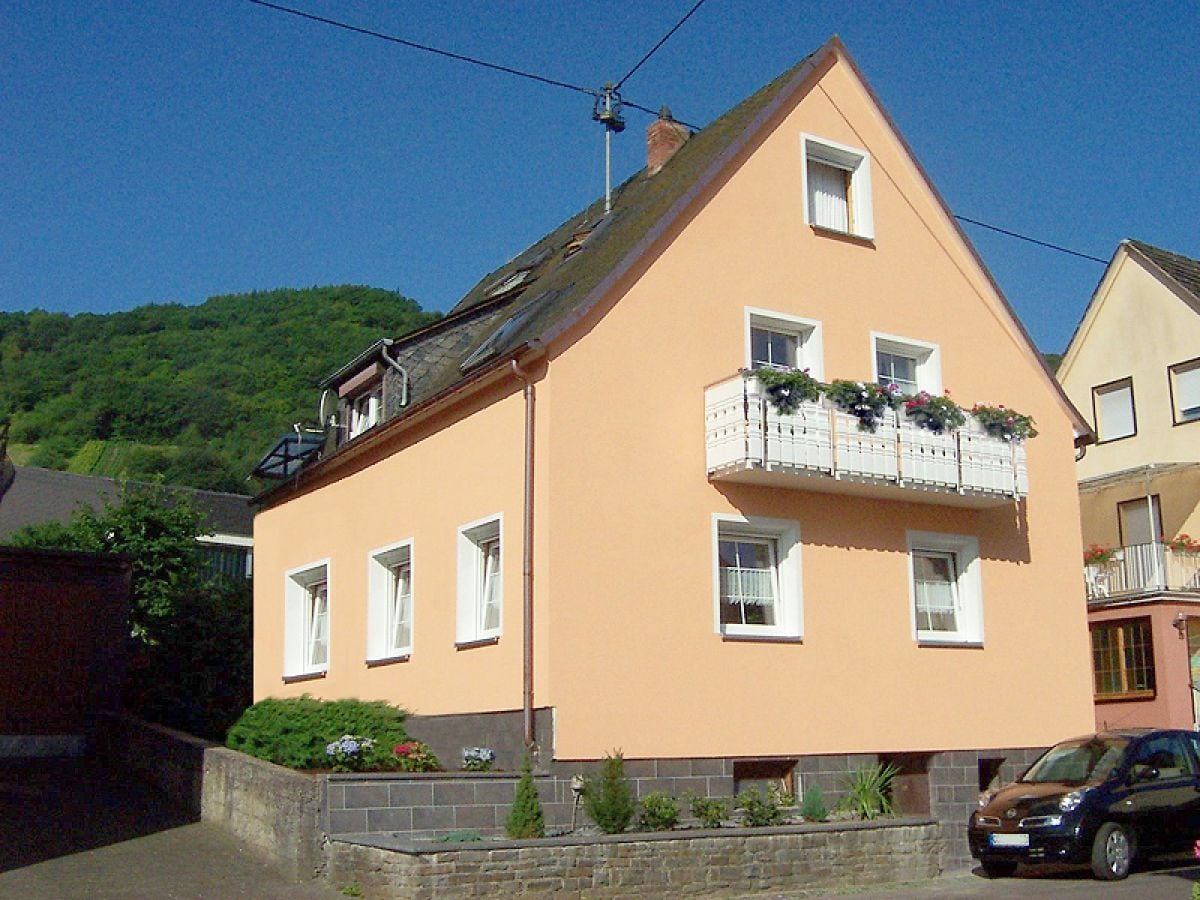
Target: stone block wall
954 789
705 863
502 731
432 805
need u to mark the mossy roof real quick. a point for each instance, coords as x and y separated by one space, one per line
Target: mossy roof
565 272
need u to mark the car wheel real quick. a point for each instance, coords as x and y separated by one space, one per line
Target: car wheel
1112 852
998 868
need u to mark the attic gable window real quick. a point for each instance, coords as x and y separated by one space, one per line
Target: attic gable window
837 187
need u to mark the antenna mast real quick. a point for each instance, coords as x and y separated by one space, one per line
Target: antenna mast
607 111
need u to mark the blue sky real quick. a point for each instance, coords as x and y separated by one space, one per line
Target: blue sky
168 150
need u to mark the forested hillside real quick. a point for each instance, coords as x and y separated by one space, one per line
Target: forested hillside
194 393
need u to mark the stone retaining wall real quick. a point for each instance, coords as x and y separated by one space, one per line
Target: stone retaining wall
169 760
276 811
702 863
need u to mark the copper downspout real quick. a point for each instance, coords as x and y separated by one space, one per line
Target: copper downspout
527 562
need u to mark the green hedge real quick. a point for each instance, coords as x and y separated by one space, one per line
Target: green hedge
294 732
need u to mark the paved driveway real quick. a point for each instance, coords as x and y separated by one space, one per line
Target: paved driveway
1170 878
73 830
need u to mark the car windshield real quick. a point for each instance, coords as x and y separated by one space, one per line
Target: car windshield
1078 762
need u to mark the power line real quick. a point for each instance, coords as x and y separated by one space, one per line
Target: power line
415 46
653 49
1022 237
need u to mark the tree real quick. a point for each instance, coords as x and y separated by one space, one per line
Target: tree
190 633
526 819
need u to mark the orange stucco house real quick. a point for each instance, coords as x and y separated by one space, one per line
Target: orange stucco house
1133 365
563 515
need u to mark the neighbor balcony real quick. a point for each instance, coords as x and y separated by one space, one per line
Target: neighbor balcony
1143 569
821 448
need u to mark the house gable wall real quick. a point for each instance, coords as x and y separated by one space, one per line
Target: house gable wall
1138 326
634 660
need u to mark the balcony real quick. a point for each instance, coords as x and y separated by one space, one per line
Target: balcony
821 448
1143 569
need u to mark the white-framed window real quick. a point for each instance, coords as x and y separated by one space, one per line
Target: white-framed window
756 577
366 410
945 592
1185 391
1113 407
778 341
837 187
909 364
480 580
390 602
306 620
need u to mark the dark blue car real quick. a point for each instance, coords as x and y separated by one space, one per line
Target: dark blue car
1100 799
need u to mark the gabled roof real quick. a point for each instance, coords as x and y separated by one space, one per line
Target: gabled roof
550 283
38 495
1183 271
1176 270
545 289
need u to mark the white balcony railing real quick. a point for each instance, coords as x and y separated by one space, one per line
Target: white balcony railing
1143 568
746 439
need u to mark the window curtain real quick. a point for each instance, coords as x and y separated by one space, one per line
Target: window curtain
828 200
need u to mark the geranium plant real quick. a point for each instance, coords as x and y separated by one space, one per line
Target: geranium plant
937 414
1183 543
1098 555
1004 423
867 401
478 759
349 752
787 388
414 756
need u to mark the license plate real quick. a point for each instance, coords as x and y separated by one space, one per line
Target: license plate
1008 840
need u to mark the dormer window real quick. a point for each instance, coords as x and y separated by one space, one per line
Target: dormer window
366 410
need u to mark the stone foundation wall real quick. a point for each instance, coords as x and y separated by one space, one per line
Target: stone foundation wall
954 789
706 863
432 805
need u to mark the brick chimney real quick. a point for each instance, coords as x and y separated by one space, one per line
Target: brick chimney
663 138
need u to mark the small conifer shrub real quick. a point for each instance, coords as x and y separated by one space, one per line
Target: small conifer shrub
526 819
812 805
608 796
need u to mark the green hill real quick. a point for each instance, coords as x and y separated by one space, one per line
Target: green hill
193 393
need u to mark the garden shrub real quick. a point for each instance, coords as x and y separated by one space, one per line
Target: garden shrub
812 805
608 796
869 791
761 809
658 812
711 811
294 732
414 756
526 819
